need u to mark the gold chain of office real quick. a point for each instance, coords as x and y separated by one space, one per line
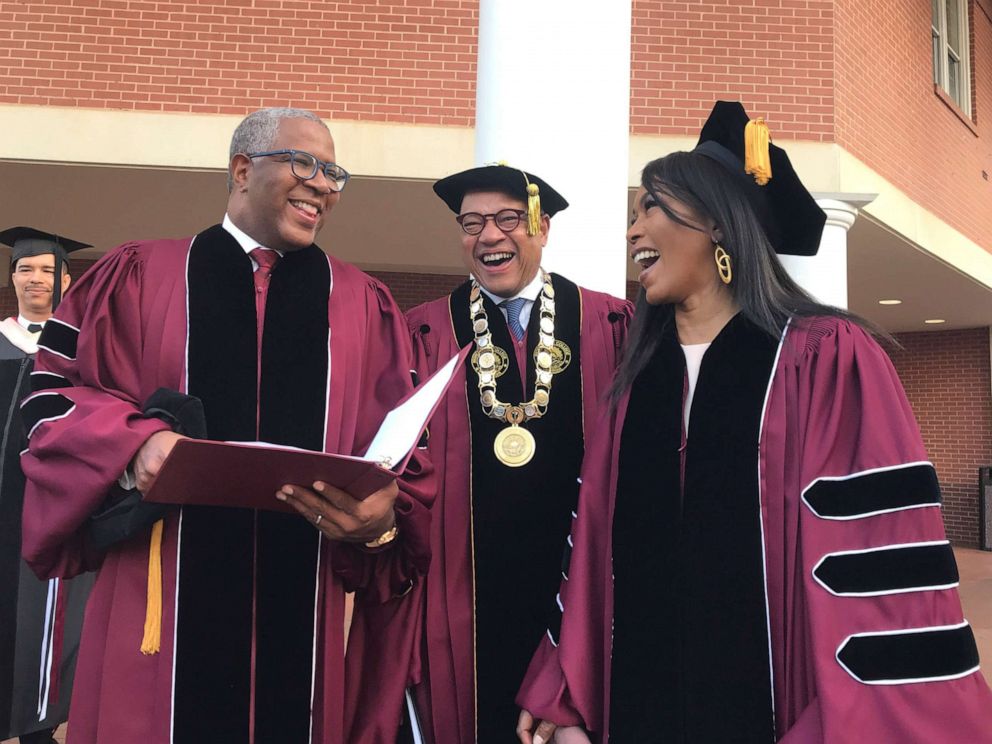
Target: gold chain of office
514 446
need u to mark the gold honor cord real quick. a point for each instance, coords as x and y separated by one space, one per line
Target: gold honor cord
514 446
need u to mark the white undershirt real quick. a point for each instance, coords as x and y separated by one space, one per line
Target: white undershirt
693 361
530 293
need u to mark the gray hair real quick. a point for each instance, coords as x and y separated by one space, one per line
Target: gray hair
258 131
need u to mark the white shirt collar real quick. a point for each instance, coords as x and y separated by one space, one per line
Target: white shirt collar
530 293
247 243
24 322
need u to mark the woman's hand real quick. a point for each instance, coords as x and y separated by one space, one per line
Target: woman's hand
541 735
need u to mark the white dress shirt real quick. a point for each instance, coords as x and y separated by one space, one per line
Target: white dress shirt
530 293
693 361
246 241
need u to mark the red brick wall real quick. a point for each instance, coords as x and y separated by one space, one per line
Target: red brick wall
390 60
888 115
410 290
774 55
947 379
8 303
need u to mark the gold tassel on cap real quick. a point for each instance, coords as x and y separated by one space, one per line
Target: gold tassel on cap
151 642
757 161
533 207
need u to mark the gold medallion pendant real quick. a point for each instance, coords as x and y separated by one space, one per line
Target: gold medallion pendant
561 356
490 363
514 446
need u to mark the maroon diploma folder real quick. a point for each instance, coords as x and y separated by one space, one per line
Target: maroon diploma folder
207 473
248 474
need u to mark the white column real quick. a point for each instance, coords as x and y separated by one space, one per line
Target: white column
553 98
825 275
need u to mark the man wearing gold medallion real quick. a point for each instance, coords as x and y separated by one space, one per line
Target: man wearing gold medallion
507 443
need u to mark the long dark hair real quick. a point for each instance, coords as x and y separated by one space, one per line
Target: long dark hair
762 289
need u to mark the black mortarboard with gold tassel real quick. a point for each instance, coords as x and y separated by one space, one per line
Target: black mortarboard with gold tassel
792 219
538 195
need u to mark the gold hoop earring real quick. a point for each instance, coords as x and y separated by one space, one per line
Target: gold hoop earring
723 265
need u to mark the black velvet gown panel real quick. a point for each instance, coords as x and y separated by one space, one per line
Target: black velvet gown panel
690 645
14 384
520 516
246 584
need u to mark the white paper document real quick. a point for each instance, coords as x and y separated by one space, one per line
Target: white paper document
402 426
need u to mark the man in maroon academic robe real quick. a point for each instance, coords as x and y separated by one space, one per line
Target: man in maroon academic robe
545 351
275 339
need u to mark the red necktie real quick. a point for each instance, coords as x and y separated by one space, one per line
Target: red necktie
266 260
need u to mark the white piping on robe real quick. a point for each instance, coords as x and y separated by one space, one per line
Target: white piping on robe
761 519
47 648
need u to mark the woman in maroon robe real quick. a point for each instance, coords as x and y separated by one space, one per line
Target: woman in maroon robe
758 553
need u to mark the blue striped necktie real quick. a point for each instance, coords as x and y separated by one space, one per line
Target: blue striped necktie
513 308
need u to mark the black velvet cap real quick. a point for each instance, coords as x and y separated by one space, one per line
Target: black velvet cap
27 241
503 178
790 215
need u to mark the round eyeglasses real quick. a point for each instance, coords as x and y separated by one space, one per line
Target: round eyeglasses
305 167
473 223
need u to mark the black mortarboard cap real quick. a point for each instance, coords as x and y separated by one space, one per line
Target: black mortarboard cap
789 214
27 241
512 181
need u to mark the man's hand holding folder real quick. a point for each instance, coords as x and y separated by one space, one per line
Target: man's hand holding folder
150 457
340 516
347 497
335 512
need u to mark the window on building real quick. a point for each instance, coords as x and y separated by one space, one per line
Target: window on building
949 31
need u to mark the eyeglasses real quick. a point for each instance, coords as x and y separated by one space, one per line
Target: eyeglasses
305 167
473 223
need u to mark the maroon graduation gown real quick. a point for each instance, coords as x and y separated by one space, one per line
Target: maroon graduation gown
867 637
439 625
252 601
